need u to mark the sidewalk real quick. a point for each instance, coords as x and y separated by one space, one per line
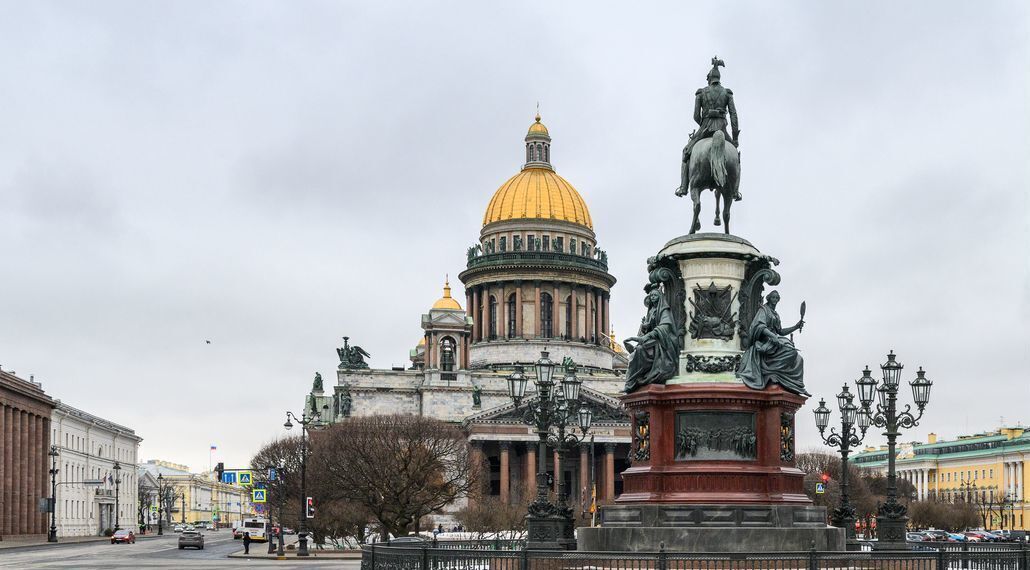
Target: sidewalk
15 542
259 551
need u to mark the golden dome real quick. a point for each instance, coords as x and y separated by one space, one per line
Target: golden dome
421 342
537 128
537 193
447 302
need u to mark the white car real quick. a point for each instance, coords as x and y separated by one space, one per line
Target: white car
190 527
211 527
178 528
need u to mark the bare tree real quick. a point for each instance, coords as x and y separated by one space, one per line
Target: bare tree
146 498
397 468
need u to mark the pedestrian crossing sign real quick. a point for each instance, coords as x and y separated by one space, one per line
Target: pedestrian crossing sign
258 496
820 488
243 477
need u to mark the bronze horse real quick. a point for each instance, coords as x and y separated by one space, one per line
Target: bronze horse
714 165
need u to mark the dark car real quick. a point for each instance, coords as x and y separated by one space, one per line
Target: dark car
192 539
123 536
412 539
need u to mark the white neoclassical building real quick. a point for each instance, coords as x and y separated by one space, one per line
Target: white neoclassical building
91 449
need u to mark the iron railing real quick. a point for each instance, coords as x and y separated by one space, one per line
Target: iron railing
511 555
537 257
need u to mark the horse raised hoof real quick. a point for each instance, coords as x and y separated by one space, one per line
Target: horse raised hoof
681 191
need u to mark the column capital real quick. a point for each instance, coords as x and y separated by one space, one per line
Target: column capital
609 447
530 446
504 445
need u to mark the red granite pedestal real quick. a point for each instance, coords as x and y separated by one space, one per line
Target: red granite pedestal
713 470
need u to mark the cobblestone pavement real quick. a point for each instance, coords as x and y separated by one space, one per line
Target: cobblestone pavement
162 552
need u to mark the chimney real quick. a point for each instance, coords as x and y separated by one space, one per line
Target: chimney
931 438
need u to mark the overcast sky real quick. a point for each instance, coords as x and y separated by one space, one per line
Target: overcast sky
273 176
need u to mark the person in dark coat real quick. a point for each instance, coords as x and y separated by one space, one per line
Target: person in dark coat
246 543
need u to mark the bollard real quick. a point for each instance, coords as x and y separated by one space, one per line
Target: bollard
663 558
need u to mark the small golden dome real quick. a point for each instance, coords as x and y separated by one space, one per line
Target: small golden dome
446 302
537 193
421 341
537 127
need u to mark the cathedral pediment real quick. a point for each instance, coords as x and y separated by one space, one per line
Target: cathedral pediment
606 411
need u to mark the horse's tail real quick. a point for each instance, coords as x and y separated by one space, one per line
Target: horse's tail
717 158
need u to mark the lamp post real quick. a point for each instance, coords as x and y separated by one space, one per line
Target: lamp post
117 489
161 491
555 414
848 437
52 535
891 516
182 509
304 421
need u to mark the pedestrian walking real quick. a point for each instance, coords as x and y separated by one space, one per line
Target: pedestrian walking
246 543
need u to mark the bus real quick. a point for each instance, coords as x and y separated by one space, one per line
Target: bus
256 526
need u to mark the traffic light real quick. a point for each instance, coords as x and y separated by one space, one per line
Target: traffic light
826 477
220 469
310 510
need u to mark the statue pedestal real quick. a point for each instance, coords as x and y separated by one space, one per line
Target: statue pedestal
713 461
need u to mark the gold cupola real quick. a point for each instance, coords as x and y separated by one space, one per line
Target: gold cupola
447 302
537 192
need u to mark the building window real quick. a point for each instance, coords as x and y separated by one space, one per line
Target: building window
572 245
546 243
504 244
447 354
992 473
568 317
493 318
511 315
559 244
546 312
530 242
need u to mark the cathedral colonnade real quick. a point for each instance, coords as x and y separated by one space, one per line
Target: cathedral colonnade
520 309
25 412
511 476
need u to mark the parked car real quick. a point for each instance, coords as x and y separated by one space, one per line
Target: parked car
123 536
178 528
957 537
916 537
973 536
412 539
190 527
288 530
192 539
212 527
938 535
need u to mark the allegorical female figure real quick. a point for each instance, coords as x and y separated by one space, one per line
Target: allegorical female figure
772 356
655 355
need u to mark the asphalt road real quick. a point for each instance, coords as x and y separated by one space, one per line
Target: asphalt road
161 552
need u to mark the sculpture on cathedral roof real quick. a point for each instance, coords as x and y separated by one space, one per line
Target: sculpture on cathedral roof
352 356
316 386
710 159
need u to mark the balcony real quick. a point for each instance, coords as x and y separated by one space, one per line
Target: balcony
537 258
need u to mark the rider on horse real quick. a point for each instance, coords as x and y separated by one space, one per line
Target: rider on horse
711 105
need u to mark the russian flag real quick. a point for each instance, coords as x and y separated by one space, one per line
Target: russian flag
214 447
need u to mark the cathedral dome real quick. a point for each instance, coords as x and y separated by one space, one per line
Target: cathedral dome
447 302
537 192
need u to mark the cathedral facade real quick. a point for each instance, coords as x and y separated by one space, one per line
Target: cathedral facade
535 281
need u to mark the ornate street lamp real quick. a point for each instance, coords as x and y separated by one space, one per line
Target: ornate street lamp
305 422
117 493
161 491
555 414
891 518
52 535
848 437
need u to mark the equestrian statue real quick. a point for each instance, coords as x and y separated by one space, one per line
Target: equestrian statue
710 159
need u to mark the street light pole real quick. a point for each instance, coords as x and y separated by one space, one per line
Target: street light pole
117 492
52 535
556 408
891 517
161 491
844 515
304 421
182 509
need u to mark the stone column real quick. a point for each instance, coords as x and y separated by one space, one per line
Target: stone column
5 469
588 297
584 476
574 300
536 312
477 321
518 309
556 471
530 470
36 441
478 459
505 475
609 471
606 320
23 473
1019 481
597 316
555 303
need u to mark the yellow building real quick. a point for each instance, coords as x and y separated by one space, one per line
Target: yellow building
988 468
201 499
